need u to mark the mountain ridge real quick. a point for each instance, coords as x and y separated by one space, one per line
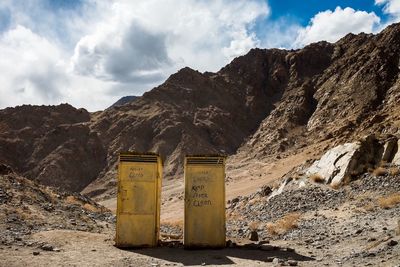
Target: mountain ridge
265 105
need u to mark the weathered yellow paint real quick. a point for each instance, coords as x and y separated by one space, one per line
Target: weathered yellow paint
204 224
138 200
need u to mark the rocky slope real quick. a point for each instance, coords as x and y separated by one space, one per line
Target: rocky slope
51 144
27 207
265 105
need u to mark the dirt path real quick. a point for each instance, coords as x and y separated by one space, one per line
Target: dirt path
91 249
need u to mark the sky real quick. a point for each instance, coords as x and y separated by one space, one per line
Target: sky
89 53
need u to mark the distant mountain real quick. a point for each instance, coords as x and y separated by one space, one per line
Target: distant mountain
124 100
263 105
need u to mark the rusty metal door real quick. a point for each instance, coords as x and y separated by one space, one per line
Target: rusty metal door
204 224
138 201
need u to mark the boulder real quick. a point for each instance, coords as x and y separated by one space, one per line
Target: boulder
396 157
265 191
279 191
390 149
347 160
253 236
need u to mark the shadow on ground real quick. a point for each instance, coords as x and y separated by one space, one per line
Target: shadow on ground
218 256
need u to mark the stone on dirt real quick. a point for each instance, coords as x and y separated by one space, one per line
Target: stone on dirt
347 159
396 158
389 149
253 235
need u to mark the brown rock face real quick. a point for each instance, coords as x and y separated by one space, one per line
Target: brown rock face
266 104
51 144
191 113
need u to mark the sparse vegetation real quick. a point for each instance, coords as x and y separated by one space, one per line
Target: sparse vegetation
389 201
73 200
380 171
90 207
394 171
254 225
369 207
335 185
316 178
177 224
283 225
275 185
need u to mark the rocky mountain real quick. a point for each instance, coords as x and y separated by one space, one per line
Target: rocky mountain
51 144
123 100
265 105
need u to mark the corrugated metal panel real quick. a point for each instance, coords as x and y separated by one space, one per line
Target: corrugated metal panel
204 224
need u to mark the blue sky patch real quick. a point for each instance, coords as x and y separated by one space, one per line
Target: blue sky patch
5 19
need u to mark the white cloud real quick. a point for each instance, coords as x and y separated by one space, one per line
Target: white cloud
158 37
30 68
35 71
332 25
390 6
392 9
106 49
100 50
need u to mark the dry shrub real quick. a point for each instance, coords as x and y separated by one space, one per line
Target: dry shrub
335 185
316 178
394 171
253 201
272 229
383 163
283 225
73 200
90 207
254 225
234 216
369 207
380 171
389 201
177 224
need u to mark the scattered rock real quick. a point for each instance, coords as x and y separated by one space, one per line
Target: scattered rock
230 244
235 200
265 191
359 231
47 247
253 236
276 261
290 250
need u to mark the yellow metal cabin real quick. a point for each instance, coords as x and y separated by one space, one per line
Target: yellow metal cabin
138 200
204 224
